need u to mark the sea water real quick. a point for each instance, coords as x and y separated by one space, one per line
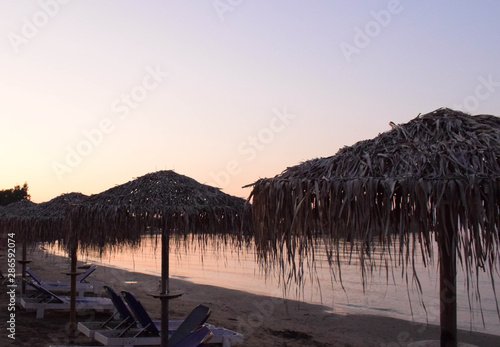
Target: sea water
387 293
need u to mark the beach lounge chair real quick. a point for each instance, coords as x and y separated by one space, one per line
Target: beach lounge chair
197 317
193 321
126 320
120 320
82 286
199 337
44 299
149 331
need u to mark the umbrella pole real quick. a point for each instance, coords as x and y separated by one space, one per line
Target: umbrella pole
72 307
448 285
164 287
24 261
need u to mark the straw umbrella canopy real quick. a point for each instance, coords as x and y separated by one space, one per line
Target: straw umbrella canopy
163 200
53 225
433 178
52 218
45 222
18 219
42 222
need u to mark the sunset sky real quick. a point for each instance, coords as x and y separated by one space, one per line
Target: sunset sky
96 93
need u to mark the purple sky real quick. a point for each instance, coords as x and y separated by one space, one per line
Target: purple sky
96 93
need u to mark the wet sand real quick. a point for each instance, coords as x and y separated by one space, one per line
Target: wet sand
265 321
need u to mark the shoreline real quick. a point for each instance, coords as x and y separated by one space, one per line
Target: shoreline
381 298
264 320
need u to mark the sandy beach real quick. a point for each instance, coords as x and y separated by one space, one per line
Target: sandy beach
265 321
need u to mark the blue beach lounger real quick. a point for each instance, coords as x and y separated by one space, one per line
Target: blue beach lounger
196 318
197 338
82 286
121 319
125 322
44 299
149 333
193 321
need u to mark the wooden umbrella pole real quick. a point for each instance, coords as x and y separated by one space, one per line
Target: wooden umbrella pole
72 315
23 284
448 285
164 287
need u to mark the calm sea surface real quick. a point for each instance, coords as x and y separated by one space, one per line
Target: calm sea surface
240 271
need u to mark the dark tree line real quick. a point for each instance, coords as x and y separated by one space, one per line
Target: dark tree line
18 193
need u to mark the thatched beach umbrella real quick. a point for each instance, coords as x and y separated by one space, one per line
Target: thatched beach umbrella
54 225
436 177
42 222
13 214
45 222
166 201
53 215
18 218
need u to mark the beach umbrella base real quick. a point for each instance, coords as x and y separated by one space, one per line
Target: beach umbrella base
167 296
435 343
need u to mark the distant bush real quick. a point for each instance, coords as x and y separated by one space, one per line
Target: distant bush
18 193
